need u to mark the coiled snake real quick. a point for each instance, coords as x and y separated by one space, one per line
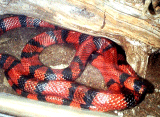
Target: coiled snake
30 78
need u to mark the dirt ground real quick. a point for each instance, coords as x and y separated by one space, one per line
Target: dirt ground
12 42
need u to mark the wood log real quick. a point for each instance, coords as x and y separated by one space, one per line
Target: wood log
123 22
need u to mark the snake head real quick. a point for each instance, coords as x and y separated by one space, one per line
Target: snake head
135 84
139 86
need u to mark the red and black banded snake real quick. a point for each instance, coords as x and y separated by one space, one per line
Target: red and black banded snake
32 79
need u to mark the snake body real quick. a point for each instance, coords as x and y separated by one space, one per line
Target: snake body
31 79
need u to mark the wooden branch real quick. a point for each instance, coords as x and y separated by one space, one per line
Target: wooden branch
20 106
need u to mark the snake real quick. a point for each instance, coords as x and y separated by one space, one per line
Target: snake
30 78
